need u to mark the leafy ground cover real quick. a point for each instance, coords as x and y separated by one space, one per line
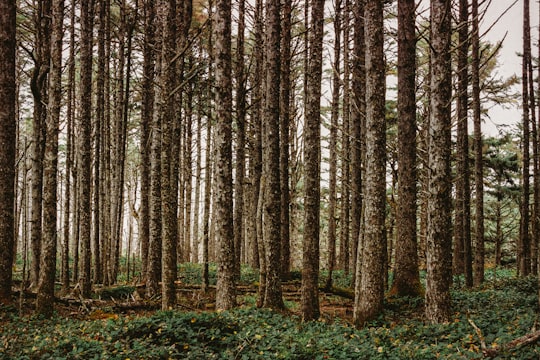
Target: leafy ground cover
503 310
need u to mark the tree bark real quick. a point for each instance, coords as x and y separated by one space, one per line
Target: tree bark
225 288
406 274
312 158
479 253
8 122
85 126
332 184
371 272
45 291
439 242
524 238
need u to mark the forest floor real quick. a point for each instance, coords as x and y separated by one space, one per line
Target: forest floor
498 320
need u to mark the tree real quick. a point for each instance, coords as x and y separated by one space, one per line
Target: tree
225 289
406 275
478 146
332 183
439 242
370 275
147 112
38 84
7 140
84 149
272 199
462 262
524 237
312 158
169 191
357 129
284 137
45 297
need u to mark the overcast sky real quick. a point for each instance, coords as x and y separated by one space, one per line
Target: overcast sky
510 24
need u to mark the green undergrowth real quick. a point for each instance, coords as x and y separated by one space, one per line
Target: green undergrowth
504 310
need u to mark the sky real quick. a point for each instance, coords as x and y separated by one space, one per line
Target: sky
510 23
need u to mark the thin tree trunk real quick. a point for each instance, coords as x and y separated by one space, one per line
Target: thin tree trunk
524 243
345 220
87 24
284 128
462 235
240 140
478 162
357 126
147 112
332 186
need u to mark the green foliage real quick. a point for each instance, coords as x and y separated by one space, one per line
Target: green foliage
191 273
504 310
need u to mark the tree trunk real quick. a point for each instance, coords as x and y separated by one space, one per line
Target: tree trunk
8 122
439 241
45 291
38 85
225 288
371 271
344 244
406 275
462 235
357 131
524 238
312 158
85 126
240 140
147 113
478 146
169 197
284 129
332 186
272 199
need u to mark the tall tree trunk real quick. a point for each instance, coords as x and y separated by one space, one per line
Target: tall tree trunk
344 244
169 158
370 276
98 135
255 156
85 126
462 235
8 122
439 241
284 129
524 238
406 274
147 113
332 186
45 293
225 289
240 140
357 129
272 200
70 119
38 85
312 158
478 160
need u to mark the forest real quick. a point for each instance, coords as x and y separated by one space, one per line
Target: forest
267 179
